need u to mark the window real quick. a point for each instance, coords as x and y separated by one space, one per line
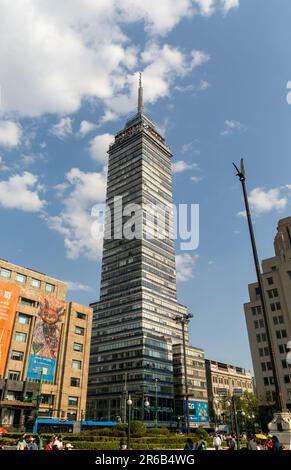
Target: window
20 337
257 291
81 316
23 319
49 287
275 320
273 307
281 319
261 323
17 355
269 366
5 272
13 375
263 366
281 349
284 364
256 323
75 382
21 278
266 381
258 338
270 281
264 337
79 330
261 352
25 301
76 364
78 347
266 351
278 306
289 274
73 401
284 333
278 334
272 293
35 283
271 380
287 379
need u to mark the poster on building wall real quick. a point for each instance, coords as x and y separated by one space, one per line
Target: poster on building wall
198 411
9 295
46 339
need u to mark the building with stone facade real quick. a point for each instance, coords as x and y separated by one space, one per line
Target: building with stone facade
224 381
276 278
43 339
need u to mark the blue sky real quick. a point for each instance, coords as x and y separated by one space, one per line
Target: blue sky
215 76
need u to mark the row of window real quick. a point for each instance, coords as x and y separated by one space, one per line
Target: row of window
21 278
12 396
19 355
22 337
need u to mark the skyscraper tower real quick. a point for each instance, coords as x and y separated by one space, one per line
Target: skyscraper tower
134 323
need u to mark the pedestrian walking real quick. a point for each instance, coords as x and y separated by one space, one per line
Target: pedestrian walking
276 443
252 445
216 441
189 445
232 443
22 444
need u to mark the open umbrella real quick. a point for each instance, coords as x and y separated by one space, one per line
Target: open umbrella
3 431
262 437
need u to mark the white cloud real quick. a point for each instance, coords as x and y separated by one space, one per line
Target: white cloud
184 265
199 58
262 202
86 127
196 179
62 128
180 166
99 146
229 4
68 52
3 166
21 192
10 133
81 192
77 286
203 85
231 126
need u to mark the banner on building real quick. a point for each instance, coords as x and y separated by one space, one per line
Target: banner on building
198 411
9 295
46 339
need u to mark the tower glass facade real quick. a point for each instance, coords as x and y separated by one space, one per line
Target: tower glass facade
134 326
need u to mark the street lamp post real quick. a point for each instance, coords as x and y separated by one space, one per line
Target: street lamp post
156 403
278 392
184 320
129 404
38 402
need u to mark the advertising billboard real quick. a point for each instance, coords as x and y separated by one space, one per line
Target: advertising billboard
198 412
9 295
46 339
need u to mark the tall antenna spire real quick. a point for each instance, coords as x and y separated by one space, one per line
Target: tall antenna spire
140 106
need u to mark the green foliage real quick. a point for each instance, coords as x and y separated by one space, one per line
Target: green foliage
249 404
137 428
157 431
201 434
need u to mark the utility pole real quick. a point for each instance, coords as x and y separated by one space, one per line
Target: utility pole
278 393
156 403
183 321
38 402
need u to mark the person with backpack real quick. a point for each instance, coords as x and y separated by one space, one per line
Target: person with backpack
189 444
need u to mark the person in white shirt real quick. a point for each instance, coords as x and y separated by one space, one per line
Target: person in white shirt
216 442
59 443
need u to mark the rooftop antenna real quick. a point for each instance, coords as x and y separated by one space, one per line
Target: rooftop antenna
140 106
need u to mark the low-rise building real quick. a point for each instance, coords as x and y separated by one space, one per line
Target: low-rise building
197 388
44 344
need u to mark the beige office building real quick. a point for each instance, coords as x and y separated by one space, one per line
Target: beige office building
277 288
42 338
197 387
223 381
